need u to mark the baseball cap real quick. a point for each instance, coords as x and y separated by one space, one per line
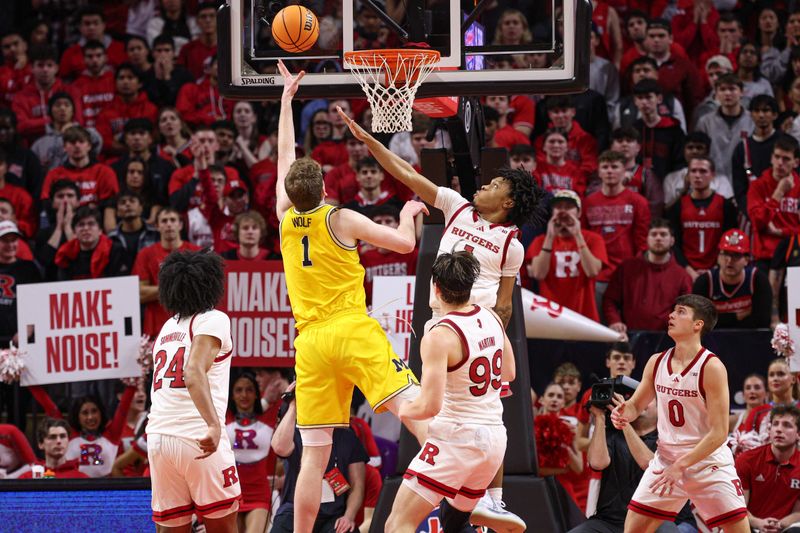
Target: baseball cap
736 241
566 194
721 61
233 185
7 228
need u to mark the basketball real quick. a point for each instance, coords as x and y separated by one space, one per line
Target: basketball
295 28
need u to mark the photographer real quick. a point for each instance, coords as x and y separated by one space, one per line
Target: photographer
622 457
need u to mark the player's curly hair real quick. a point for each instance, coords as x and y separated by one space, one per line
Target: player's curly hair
190 282
529 205
454 274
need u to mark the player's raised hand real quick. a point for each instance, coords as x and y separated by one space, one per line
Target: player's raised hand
413 208
290 83
209 443
358 132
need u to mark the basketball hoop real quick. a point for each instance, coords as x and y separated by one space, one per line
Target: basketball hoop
390 79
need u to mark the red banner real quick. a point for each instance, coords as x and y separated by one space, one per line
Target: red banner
262 324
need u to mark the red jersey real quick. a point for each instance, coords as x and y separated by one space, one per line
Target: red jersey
774 487
67 470
331 153
390 263
30 106
23 207
148 262
600 19
72 63
581 148
184 175
201 103
507 137
622 220
12 80
702 229
97 182
763 209
193 56
114 116
566 283
566 176
95 94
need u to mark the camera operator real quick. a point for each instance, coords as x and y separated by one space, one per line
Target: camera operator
622 457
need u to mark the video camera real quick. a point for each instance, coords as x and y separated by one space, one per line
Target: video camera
603 391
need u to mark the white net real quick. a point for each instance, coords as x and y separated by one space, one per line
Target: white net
390 79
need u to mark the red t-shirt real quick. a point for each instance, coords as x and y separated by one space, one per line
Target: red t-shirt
331 153
23 207
622 220
193 56
95 94
507 136
774 488
148 262
72 63
566 283
566 176
67 470
98 182
763 209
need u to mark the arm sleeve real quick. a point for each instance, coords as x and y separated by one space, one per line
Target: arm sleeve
597 246
41 396
214 324
641 225
760 210
117 423
179 199
514 257
20 443
448 201
612 299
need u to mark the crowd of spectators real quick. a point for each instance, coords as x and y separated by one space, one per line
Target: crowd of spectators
675 172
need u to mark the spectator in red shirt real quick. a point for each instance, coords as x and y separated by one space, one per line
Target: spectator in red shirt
770 475
19 198
676 74
97 181
638 178
382 261
173 137
554 172
129 102
567 259
91 254
325 151
522 156
504 134
642 290
773 201
569 377
694 27
53 438
619 215
582 147
250 229
30 104
94 87
371 188
92 27
729 34
223 201
15 71
200 103
148 263
340 183
194 54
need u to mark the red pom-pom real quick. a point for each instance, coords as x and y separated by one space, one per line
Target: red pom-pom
553 435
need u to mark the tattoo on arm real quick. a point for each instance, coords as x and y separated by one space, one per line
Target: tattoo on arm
504 313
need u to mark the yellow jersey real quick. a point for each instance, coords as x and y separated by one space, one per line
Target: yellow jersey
323 275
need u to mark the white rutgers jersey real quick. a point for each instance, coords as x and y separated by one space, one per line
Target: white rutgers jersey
495 246
472 392
173 412
682 413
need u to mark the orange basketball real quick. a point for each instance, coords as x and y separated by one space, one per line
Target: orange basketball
295 28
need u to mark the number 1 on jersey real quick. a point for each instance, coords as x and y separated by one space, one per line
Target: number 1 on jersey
306 260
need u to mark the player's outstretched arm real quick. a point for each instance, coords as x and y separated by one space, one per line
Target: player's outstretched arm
204 350
394 164
286 142
508 372
350 226
645 393
435 349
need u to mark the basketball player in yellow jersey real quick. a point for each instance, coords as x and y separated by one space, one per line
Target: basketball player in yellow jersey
338 345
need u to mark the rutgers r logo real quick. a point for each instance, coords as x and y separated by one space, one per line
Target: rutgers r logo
428 453
229 477
794 483
7 286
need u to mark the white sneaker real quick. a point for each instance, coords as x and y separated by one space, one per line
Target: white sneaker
492 513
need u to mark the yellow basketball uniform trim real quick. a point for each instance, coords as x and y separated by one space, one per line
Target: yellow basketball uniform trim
324 276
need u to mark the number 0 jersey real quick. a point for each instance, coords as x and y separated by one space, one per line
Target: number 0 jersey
324 276
472 392
682 413
173 412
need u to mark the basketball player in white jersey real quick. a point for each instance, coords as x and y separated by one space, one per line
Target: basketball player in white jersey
486 227
192 466
690 386
465 357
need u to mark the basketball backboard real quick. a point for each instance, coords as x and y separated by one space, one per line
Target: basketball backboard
487 46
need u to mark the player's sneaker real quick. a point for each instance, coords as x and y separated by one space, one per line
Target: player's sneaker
492 513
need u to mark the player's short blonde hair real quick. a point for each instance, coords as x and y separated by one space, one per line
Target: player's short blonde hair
304 184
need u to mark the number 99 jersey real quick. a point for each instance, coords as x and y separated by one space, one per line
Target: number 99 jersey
173 412
472 393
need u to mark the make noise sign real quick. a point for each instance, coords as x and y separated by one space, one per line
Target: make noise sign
79 330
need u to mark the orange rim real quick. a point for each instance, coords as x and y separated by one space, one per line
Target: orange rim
390 56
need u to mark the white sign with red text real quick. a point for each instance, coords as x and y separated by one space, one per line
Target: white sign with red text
79 330
393 307
793 314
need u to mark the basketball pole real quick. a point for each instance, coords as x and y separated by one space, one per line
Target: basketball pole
536 500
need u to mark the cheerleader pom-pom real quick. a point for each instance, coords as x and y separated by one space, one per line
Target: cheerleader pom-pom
145 361
781 342
12 363
553 436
